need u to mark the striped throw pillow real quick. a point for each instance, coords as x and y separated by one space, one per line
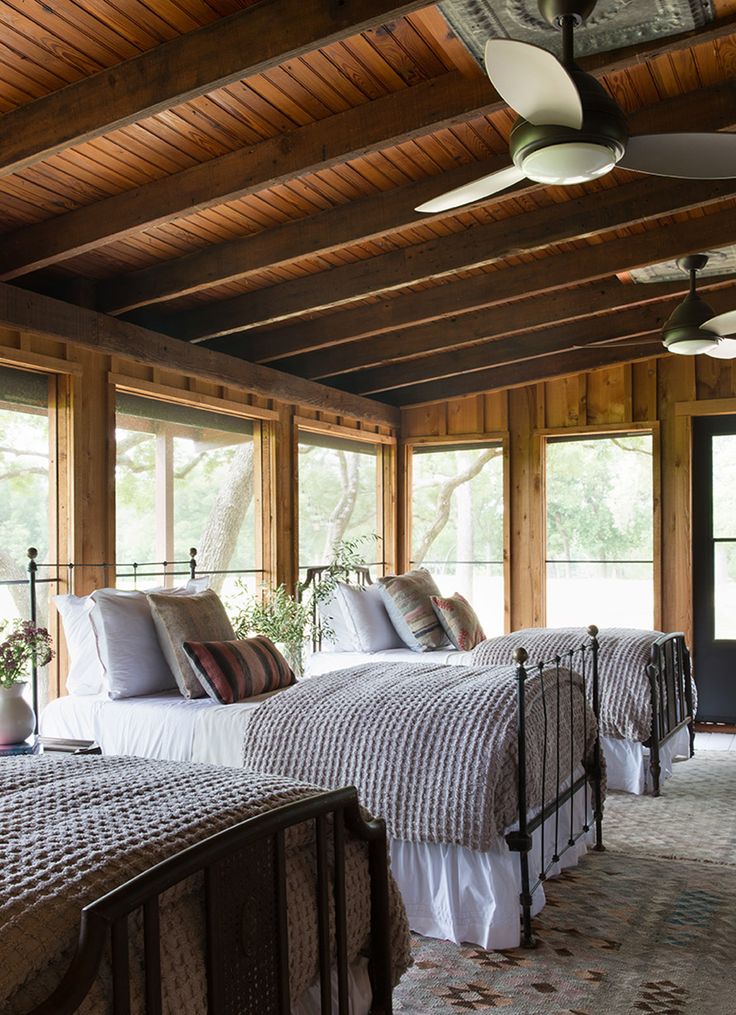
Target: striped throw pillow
407 598
459 620
231 671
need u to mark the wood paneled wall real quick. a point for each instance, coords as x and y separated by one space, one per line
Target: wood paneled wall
663 393
83 383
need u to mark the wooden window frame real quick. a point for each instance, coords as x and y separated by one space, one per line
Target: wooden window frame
385 446
263 421
498 437
541 437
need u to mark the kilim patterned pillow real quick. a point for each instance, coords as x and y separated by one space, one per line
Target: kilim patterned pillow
231 671
408 601
459 621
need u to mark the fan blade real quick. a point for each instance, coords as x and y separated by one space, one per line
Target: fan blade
474 191
726 349
723 325
534 83
687 156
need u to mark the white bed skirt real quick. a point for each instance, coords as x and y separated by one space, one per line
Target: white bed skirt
627 762
462 895
360 994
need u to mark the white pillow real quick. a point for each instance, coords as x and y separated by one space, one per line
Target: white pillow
86 673
367 619
341 638
128 644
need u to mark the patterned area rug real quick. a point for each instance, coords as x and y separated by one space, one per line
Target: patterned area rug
694 819
622 934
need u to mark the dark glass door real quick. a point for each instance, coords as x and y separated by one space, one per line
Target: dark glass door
714 566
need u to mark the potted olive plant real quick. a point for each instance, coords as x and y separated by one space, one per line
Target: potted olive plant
22 642
288 619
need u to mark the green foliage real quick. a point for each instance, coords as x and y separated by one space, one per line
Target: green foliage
287 618
599 499
278 615
322 484
24 481
22 642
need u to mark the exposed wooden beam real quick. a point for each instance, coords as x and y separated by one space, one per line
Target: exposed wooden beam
454 333
42 315
643 320
526 372
242 172
246 43
369 219
476 247
540 276
429 106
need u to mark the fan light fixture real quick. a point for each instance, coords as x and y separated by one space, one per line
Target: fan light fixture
574 162
692 328
569 130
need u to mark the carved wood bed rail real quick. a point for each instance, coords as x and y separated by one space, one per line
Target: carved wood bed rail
246 958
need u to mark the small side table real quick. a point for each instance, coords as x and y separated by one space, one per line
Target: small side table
62 745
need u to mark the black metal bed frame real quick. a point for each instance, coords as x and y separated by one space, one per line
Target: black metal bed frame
557 691
147 569
670 682
246 928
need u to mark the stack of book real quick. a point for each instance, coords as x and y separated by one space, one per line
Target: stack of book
30 746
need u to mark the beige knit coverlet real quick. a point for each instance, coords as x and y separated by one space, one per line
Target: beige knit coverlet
431 749
625 696
73 828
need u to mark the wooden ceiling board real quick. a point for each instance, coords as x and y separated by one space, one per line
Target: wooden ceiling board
45 49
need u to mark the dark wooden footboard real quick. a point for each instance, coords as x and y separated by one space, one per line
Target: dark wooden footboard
672 698
557 692
246 928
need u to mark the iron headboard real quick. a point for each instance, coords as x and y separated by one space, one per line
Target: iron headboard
41 573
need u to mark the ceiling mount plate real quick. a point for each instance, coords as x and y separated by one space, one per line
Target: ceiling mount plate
692 262
614 24
554 11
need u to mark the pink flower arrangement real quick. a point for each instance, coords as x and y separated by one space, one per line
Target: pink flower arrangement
21 644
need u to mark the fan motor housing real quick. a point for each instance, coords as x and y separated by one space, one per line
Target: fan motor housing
684 329
604 124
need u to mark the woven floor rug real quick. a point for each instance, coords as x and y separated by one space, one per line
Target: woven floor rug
694 819
624 933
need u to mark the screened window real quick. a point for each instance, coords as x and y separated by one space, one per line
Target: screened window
27 483
724 534
600 531
457 523
185 478
340 498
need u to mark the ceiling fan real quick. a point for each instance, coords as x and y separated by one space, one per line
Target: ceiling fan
692 327
570 130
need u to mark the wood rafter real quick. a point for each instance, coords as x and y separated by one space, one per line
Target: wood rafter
361 365
644 320
246 43
415 111
534 278
370 218
526 372
43 315
477 247
392 119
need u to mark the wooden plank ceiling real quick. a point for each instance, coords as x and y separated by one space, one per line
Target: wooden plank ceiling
243 176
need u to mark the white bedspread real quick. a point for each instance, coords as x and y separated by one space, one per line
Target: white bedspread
165 726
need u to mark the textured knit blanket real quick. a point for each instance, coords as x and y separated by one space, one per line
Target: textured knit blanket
432 749
625 695
72 829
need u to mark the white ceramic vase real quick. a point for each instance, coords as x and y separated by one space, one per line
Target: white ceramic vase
16 715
